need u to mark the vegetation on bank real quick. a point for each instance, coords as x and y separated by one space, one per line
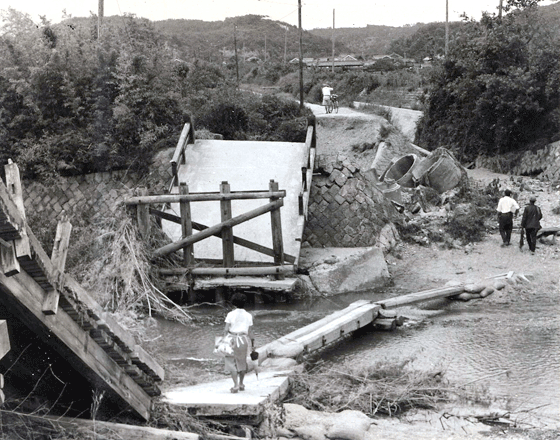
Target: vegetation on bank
498 90
73 104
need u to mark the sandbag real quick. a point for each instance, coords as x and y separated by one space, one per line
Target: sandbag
349 425
311 432
474 288
453 283
466 296
487 291
499 285
290 350
279 363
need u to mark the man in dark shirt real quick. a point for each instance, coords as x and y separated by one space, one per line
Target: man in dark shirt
531 222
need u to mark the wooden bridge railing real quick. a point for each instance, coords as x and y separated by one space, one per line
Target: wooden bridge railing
223 230
187 137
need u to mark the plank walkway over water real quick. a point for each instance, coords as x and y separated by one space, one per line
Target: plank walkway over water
56 308
210 399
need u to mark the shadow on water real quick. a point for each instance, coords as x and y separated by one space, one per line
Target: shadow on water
511 351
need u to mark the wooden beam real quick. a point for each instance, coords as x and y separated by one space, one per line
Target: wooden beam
237 240
8 260
143 216
58 259
249 271
186 225
239 282
175 246
15 191
187 137
203 197
416 297
99 428
227 232
61 242
276 228
4 343
11 222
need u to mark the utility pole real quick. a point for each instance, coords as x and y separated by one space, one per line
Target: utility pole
99 19
300 58
235 44
285 43
333 41
446 27
500 9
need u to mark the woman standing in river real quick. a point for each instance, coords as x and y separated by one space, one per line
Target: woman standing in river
239 327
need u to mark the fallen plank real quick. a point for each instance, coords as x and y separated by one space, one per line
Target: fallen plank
339 327
417 297
296 335
287 284
92 429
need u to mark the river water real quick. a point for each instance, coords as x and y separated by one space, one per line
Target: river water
512 350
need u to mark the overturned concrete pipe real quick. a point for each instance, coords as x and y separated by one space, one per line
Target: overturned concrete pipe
401 171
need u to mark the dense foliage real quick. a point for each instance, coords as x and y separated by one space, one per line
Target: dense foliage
498 91
71 103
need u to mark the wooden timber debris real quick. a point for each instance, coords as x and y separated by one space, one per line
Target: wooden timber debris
57 309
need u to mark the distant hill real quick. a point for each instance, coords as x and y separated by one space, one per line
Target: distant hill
254 34
368 41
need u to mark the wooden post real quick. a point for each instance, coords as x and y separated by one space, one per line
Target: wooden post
4 349
276 225
143 216
13 184
186 225
8 261
304 178
58 258
227 232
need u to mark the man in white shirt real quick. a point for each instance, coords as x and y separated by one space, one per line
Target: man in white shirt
327 90
507 208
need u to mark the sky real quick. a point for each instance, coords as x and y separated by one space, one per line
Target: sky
315 13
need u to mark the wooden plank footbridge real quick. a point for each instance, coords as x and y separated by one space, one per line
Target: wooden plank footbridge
218 185
53 305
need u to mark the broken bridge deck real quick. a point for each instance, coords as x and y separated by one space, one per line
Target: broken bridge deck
58 310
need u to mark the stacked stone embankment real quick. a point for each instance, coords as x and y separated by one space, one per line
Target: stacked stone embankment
345 207
93 195
543 163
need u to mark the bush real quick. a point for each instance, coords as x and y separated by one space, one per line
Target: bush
468 227
227 119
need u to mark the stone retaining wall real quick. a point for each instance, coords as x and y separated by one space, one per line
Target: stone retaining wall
93 195
543 163
345 208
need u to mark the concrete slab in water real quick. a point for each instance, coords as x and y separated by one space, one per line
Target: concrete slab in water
215 398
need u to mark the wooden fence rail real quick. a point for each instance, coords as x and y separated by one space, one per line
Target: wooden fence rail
223 230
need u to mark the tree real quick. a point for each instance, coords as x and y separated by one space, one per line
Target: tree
497 90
